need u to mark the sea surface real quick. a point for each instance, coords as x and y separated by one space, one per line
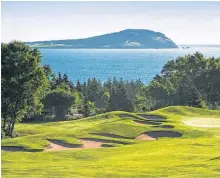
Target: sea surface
129 64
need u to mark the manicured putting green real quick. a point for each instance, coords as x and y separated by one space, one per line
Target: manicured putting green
203 122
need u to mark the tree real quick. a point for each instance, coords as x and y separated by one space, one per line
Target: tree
79 86
188 93
86 109
118 97
59 79
48 71
65 78
105 99
23 80
58 101
95 92
191 80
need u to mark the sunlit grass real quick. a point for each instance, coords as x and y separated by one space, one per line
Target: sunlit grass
196 154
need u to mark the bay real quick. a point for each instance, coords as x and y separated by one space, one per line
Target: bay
129 64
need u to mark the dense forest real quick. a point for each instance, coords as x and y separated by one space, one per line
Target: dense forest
31 92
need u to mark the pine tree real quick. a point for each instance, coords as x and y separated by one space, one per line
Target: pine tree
86 109
59 79
78 86
65 78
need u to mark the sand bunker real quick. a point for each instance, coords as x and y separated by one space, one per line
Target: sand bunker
151 117
203 122
56 145
144 137
63 144
87 143
105 141
91 144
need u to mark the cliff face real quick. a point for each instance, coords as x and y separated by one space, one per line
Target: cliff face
131 38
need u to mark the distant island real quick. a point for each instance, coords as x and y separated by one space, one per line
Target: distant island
126 39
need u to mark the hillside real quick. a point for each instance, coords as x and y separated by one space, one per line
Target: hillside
117 144
131 38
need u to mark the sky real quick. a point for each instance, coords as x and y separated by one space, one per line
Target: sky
183 22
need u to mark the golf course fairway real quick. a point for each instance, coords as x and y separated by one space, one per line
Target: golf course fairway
169 142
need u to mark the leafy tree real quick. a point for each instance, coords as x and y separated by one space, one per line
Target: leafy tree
58 101
64 86
23 81
48 71
190 80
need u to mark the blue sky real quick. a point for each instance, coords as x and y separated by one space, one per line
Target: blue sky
183 22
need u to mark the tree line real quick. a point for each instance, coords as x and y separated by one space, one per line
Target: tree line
192 80
34 92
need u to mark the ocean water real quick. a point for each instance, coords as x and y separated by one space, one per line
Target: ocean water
129 64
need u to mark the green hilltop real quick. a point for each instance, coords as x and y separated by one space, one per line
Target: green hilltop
130 38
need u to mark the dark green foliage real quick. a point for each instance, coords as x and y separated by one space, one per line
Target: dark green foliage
192 80
86 109
23 82
95 92
48 71
65 78
188 93
118 97
79 86
58 102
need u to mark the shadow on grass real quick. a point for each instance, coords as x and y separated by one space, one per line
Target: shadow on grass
107 146
158 134
149 122
215 158
61 143
105 141
111 135
19 149
164 126
152 117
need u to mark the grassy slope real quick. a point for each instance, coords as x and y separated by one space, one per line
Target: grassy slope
196 154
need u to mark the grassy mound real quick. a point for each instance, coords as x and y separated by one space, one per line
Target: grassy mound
203 122
195 154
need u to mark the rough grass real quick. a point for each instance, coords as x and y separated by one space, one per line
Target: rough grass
195 154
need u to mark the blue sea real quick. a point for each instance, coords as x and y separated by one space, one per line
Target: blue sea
129 64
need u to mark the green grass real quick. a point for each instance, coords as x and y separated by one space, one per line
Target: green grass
196 154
